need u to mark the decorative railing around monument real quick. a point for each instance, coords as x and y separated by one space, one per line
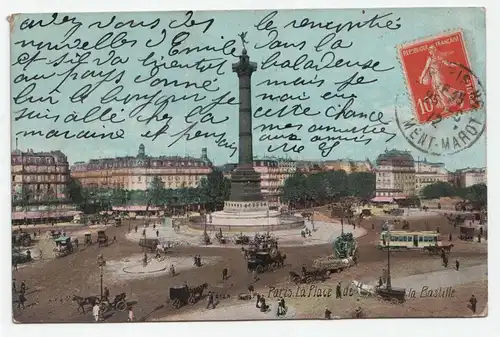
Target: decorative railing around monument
290 222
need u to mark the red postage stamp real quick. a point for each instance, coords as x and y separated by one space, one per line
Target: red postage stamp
438 77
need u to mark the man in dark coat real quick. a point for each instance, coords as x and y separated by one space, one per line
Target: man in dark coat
23 286
14 285
105 294
473 303
457 264
20 301
338 291
224 274
328 314
210 300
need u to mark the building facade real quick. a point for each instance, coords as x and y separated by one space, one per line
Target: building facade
347 165
395 175
40 185
427 173
137 173
470 176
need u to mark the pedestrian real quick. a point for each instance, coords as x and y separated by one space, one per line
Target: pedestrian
339 291
210 300
157 233
449 237
195 263
251 290
373 227
21 300
144 232
154 226
380 281
473 303
95 311
14 285
445 261
224 274
130 315
15 264
106 294
135 228
457 264
355 260
199 261
328 314
23 286
481 231
479 238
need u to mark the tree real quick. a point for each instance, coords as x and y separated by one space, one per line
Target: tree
477 194
295 189
361 184
438 190
75 192
156 191
214 190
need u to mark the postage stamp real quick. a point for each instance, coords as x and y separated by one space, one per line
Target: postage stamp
437 77
446 96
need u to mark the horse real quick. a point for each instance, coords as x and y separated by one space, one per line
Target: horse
82 301
198 291
279 260
363 289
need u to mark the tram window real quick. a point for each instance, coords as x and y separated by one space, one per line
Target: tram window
420 239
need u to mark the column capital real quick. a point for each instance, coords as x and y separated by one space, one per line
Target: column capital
244 67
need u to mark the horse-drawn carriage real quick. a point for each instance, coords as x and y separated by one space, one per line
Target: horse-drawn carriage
395 295
264 261
88 239
466 233
309 276
102 238
182 295
119 303
63 247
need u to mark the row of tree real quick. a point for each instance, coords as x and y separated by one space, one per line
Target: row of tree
324 187
212 193
476 193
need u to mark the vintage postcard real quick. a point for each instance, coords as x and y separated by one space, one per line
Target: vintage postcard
248 165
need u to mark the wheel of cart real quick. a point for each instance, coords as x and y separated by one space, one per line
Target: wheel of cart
176 303
259 269
121 305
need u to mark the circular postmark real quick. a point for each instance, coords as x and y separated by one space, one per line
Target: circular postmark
452 129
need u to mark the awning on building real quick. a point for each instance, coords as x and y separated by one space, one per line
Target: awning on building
382 199
135 208
43 215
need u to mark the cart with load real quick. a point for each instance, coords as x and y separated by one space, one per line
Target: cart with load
345 252
309 276
149 244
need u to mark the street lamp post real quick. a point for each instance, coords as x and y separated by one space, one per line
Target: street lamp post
388 241
101 263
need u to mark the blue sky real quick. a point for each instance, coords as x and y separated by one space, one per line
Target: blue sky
377 44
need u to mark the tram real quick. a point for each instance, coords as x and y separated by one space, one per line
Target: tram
404 240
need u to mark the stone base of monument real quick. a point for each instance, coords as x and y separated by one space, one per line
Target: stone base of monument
248 216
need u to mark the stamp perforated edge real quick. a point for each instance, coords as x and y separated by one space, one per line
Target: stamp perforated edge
405 75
